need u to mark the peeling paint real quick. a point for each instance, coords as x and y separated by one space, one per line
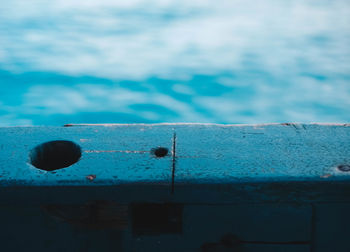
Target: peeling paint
91 177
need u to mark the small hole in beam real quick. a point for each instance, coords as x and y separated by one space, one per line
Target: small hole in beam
55 155
344 168
160 152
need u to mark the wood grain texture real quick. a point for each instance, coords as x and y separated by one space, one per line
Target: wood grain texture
206 163
292 152
115 155
332 227
279 162
275 187
28 228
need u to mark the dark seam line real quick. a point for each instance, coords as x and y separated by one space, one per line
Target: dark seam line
173 164
278 243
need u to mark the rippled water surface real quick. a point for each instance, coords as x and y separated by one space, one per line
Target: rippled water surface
97 61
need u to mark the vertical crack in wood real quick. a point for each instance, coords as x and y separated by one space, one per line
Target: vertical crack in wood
173 152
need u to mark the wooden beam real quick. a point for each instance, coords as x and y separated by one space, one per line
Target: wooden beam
198 162
175 187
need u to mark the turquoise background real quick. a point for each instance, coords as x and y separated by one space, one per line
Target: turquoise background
174 61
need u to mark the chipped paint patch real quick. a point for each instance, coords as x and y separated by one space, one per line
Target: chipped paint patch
91 177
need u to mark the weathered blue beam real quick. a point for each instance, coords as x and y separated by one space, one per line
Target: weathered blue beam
175 187
177 162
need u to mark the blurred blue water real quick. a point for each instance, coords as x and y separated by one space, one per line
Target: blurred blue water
174 61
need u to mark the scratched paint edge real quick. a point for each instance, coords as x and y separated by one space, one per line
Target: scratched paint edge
204 124
178 124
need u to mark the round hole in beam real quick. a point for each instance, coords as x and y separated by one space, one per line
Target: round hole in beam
344 168
160 152
55 155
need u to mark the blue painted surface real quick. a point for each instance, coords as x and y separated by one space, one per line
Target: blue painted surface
176 61
204 164
197 154
219 62
259 188
116 155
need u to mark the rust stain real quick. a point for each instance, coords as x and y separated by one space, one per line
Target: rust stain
326 175
91 177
